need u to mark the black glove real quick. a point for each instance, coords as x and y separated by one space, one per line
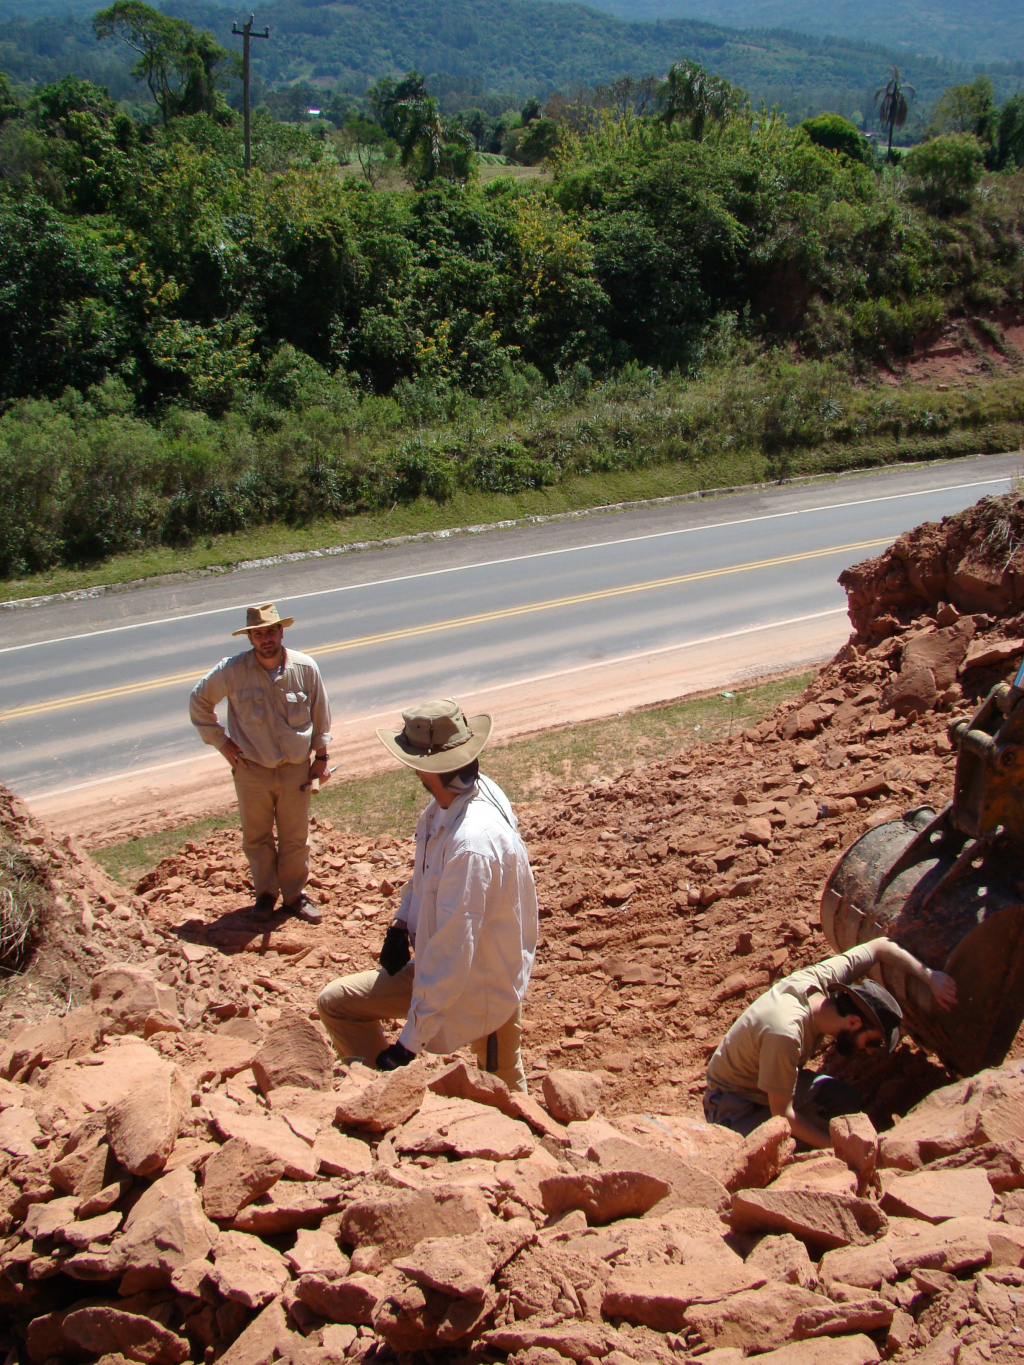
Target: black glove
393 1057
394 953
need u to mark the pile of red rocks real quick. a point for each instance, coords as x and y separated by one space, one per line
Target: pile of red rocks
248 1199
186 1172
973 561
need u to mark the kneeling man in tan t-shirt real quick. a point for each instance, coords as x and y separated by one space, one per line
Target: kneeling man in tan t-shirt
757 1069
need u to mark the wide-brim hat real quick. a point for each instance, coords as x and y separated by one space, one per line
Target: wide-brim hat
265 615
437 737
879 1010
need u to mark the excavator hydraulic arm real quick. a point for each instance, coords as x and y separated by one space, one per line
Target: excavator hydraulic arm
949 887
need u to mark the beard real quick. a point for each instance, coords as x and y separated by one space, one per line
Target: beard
846 1044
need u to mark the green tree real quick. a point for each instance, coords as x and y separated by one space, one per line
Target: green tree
967 109
893 99
180 66
690 92
838 135
1010 137
431 146
948 169
538 141
9 106
479 127
375 152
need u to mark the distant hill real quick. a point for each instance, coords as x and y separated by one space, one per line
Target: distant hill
981 31
519 48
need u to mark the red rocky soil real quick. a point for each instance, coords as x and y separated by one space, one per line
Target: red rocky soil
188 1174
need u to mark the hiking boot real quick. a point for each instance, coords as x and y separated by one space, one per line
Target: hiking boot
264 906
303 908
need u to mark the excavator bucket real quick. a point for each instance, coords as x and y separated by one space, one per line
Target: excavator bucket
949 887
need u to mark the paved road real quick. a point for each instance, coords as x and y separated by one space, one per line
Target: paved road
99 687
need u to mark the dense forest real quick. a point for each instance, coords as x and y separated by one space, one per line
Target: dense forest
186 350
983 31
520 48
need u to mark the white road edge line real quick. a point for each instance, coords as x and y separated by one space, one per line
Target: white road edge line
498 687
516 559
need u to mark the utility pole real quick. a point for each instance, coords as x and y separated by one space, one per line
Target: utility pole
245 33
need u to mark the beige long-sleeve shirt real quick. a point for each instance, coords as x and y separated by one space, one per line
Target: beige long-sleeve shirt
274 718
471 909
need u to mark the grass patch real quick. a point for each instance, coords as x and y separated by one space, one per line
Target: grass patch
583 492
526 769
24 904
130 861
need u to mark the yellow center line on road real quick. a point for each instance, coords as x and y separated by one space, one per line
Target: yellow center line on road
480 618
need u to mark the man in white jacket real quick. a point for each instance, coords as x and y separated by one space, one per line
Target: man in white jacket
470 914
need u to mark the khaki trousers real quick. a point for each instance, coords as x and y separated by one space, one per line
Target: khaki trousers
352 1007
269 796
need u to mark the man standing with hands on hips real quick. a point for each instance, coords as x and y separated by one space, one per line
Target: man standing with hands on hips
279 722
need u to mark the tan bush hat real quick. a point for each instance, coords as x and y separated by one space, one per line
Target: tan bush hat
266 615
437 737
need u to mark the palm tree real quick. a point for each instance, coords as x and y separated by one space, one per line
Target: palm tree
690 92
895 105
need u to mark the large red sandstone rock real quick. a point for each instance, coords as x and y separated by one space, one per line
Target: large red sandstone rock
659 1295
350 1300
295 1053
316 1252
18 1132
217 1056
941 650
465 1129
236 1174
86 1231
115 1071
762 1156
691 1185
572 1340
289 1205
461 1081
411 1319
935 1196
855 1350
165 1229
273 1135
602 1196
762 1318
47 1219
855 1141
397 1222
866 1267
382 1103
823 1219
950 1119
246 1270
45 1043
105 1329
956 1246
126 994
340 1155
781 1256
143 1125
571 1096
459 1266
265 1339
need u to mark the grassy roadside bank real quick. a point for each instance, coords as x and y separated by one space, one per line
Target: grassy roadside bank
627 439
599 750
